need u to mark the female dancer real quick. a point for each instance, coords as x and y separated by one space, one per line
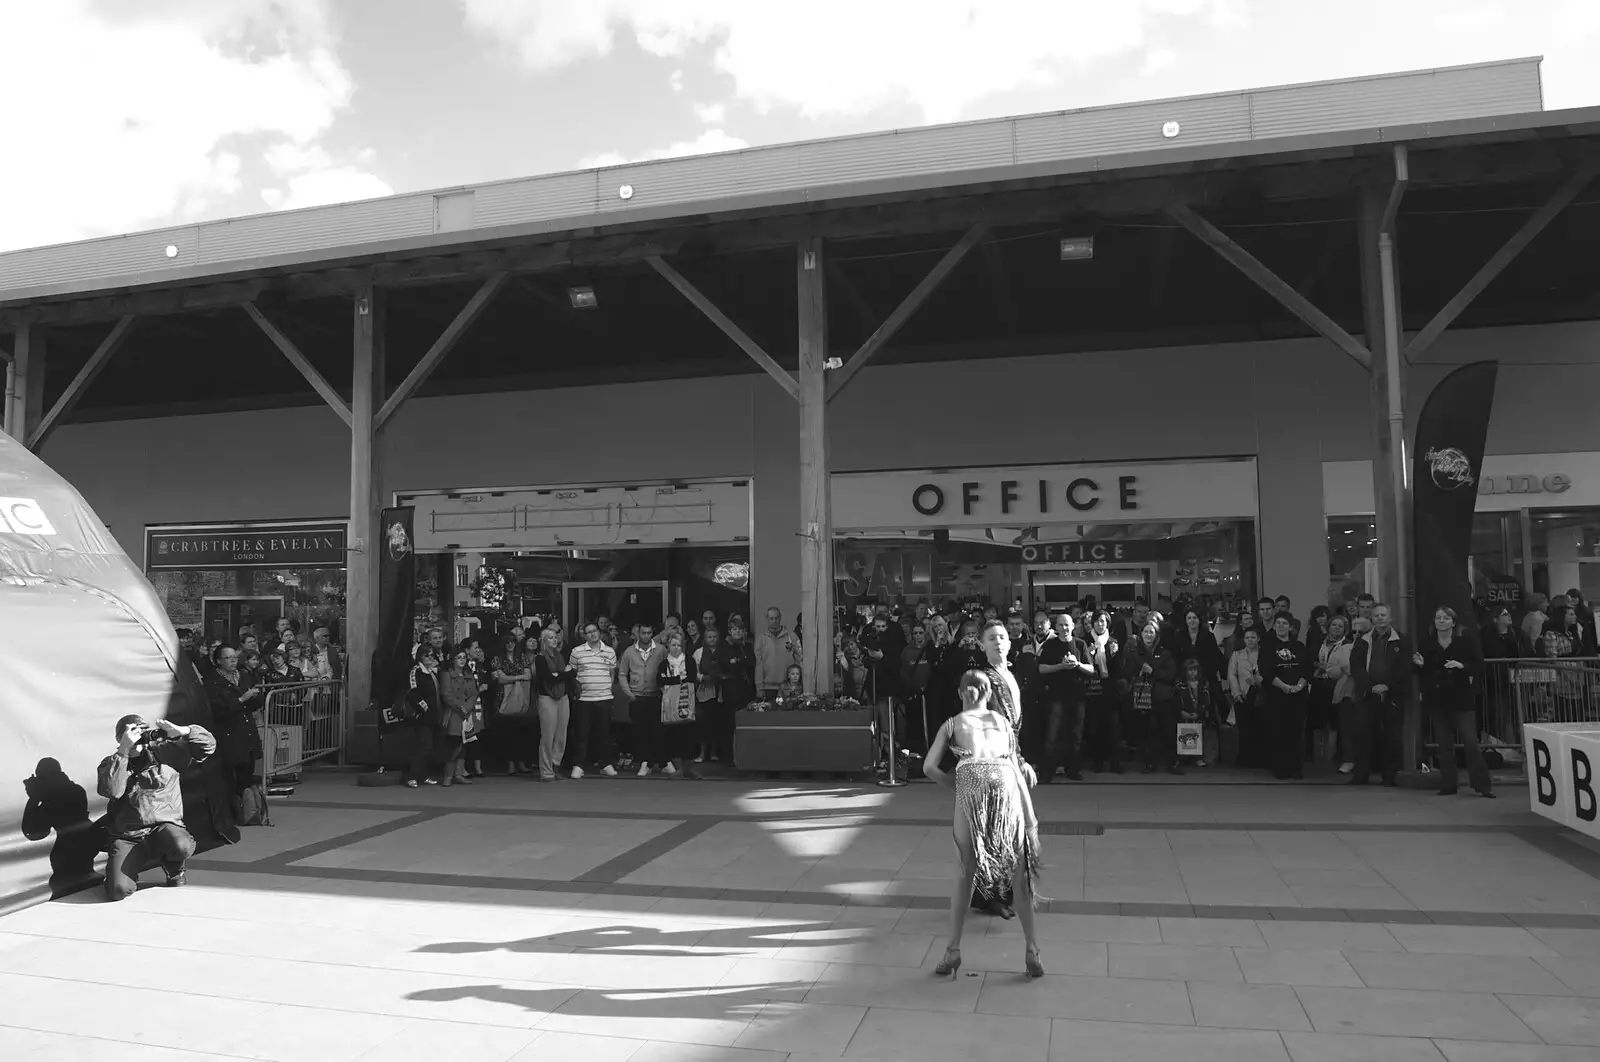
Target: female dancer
996 833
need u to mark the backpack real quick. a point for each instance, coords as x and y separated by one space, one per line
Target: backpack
251 809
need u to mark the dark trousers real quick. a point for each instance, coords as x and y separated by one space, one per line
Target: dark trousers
589 734
168 846
649 741
516 738
1286 728
1377 738
1063 737
1450 722
423 737
1254 737
1159 735
713 722
1104 725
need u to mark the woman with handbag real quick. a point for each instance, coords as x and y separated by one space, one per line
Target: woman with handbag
513 715
678 678
553 677
709 706
424 714
1244 690
1148 676
458 688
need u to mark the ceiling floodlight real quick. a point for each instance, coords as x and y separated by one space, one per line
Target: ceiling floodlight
1171 129
1077 248
583 298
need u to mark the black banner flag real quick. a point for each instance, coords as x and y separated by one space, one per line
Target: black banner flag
1446 464
397 582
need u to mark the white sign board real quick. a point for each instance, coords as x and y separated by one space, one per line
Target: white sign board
1032 495
1563 760
703 513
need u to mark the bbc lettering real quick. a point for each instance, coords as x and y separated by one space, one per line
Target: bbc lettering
23 516
1562 759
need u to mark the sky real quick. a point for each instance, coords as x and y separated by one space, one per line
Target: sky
122 115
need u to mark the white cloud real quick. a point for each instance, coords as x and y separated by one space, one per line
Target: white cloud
124 120
340 184
711 113
712 140
845 56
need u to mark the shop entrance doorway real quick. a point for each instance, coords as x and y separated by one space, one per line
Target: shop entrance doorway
626 604
1057 587
222 617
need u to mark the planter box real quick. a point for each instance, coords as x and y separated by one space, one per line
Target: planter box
803 741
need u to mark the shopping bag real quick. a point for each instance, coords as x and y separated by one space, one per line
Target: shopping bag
1191 741
677 705
514 699
1142 699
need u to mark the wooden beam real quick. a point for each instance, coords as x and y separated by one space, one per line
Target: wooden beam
908 306
731 330
816 516
140 304
1566 193
1397 188
80 383
366 499
1270 282
447 340
286 345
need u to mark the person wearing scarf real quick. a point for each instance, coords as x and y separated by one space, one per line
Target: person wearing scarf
1103 723
677 669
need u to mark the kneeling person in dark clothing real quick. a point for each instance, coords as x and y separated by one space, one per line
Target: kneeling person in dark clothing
140 780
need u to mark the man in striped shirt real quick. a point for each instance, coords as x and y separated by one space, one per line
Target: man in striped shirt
590 729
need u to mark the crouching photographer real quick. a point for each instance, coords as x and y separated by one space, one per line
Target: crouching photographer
140 781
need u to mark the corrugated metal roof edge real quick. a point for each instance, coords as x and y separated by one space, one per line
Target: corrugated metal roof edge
1574 121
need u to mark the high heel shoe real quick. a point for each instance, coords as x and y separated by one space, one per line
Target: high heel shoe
950 964
1032 965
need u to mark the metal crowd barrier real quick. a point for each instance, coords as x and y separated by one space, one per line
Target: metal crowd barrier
1536 690
303 722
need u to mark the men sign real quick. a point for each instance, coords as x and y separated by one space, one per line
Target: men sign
1563 759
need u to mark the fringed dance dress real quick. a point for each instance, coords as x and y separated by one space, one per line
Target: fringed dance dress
994 798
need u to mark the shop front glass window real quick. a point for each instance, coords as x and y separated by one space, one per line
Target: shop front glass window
1566 551
1352 557
219 602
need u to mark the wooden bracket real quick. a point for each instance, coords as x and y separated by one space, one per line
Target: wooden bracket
80 383
298 360
447 339
731 330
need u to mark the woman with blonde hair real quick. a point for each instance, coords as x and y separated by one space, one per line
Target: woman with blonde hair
996 831
552 681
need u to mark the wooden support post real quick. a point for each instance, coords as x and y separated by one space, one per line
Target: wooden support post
1270 282
318 382
447 339
80 383
816 521
908 306
1503 257
366 502
27 381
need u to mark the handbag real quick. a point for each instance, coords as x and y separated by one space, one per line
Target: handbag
514 699
1191 740
1143 695
677 706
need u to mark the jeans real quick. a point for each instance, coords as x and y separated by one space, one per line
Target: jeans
1063 737
1377 737
649 741
168 845
553 715
590 730
1449 722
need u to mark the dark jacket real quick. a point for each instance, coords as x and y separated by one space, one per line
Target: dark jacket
737 662
916 668
1072 684
1288 662
143 789
1204 649
1508 646
237 738
1163 672
548 682
423 696
1446 687
1393 673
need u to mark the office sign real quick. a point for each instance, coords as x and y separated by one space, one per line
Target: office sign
321 545
1105 552
1562 759
1028 496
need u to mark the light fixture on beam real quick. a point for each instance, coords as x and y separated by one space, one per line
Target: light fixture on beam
583 298
1077 248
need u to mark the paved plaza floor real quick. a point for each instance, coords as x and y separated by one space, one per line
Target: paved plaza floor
741 921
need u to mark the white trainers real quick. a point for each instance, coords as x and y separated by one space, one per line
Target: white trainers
644 770
1346 767
577 772
609 771
669 770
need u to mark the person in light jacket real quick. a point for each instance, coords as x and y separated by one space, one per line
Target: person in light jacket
776 648
1334 684
458 688
1449 668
